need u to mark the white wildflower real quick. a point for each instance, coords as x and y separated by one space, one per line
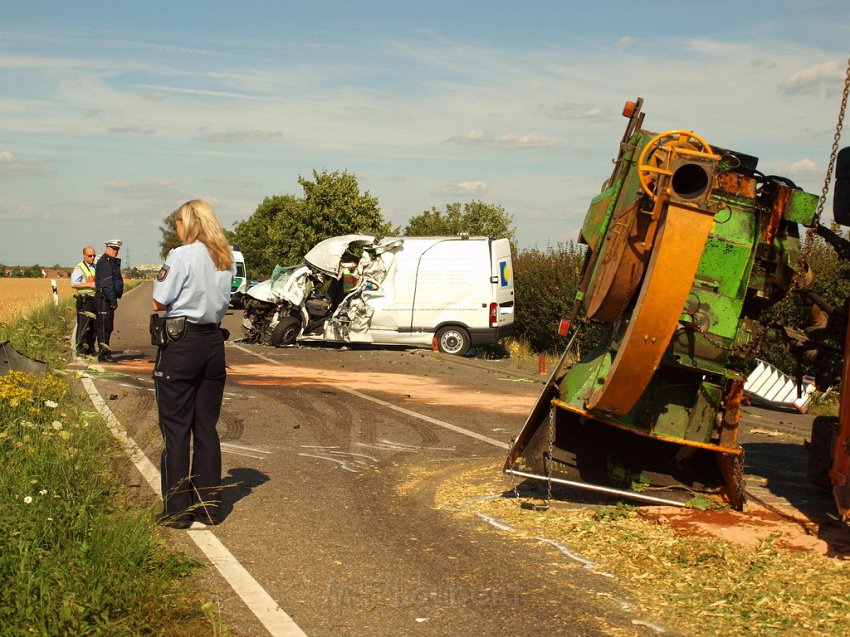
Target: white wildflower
51 404
28 499
42 492
57 425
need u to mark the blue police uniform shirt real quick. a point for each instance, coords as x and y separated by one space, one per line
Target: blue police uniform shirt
189 285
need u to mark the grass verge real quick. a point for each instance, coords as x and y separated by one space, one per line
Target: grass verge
77 556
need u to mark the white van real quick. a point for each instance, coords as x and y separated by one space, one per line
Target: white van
240 282
389 291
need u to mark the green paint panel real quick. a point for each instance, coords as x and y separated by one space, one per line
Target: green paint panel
801 208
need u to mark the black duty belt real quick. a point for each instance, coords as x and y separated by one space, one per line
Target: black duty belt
201 327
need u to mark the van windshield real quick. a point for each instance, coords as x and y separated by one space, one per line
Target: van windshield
240 269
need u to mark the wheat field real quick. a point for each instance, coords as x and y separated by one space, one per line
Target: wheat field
18 296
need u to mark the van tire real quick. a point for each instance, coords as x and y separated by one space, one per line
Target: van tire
286 331
453 340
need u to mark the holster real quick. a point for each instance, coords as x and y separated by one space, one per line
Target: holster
175 328
159 336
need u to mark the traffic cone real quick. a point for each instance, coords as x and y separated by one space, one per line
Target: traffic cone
541 363
434 347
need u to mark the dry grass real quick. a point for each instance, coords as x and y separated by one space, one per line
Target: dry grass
692 584
19 296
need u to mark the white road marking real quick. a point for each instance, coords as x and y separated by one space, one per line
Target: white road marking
342 463
242 453
238 450
359 455
386 447
433 421
149 472
489 519
254 449
416 447
407 412
273 617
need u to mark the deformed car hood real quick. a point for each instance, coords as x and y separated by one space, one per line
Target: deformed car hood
326 255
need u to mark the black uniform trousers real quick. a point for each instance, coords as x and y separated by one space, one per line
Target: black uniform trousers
189 377
86 313
105 322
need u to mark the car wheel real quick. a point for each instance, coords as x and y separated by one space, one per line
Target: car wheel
286 331
453 340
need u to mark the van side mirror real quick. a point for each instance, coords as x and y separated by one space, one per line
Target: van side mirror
841 194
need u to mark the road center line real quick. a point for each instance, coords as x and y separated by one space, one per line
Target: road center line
407 412
273 617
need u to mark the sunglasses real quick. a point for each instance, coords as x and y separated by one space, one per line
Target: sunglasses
91 254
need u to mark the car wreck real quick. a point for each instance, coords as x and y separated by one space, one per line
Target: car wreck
361 288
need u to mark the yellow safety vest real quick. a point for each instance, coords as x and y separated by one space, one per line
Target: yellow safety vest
88 272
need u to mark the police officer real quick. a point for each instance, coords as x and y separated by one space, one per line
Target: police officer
193 288
109 288
82 280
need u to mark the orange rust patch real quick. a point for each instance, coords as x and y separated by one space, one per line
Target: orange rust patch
290 381
136 365
402 386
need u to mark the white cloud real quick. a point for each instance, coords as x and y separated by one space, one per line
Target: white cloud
148 189
506 141
238 136
11 167
473 187
826 77
131 130
803 167
570 110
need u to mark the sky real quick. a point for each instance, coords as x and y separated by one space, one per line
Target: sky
112 114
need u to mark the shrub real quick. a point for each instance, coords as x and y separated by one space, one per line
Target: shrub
545 282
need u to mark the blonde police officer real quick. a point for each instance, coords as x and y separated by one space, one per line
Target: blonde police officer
193 288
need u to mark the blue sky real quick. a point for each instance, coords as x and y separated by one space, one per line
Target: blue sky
113 114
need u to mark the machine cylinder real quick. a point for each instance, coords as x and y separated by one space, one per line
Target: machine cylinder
690 181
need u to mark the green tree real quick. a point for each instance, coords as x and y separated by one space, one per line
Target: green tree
169 235
261 238
474 218
285 227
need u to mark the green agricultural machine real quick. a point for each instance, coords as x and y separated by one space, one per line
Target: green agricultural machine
687 245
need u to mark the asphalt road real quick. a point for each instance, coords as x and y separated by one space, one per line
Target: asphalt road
332 458
331 461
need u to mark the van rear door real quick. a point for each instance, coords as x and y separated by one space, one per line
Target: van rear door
502 281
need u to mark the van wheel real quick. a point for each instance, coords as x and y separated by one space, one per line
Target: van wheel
453 340
286 331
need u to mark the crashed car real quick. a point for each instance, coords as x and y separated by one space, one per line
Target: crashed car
388 291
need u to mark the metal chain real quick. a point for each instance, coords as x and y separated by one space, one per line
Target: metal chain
707 336
802 261
835 140
550 460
